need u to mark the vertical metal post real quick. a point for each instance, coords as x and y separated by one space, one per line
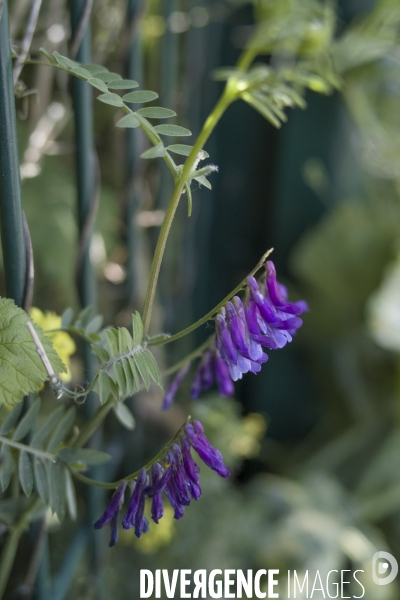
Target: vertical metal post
88 183
134 70
11 215
86 167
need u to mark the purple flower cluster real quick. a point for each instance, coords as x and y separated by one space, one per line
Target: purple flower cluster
266 319
177 478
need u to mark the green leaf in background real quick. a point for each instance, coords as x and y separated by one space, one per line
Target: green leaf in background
128 121
112 99
172 130
62 429
139 97
47 428
70 496
56 475
83 456
41 479
122 84
155 152
25 472
67 316
156 112
28 421
11 419
21 369
124 416
5 467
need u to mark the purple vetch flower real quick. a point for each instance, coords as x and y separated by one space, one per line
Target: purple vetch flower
141 523
190 465
111 513
177 478
224 381
173 388
114 530
278 293
266 319
157 505
138 490
208 454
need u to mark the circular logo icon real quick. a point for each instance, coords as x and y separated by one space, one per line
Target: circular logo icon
380 565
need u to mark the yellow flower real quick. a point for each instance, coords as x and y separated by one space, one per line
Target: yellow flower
63 344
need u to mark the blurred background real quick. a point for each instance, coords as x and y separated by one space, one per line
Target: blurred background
314 439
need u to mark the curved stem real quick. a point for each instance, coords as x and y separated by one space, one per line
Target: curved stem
11 546
222 104
115 484
213 311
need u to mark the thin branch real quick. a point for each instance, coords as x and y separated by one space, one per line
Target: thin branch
30 268
115 484
29 449
214 310
54 380
27 41
80 31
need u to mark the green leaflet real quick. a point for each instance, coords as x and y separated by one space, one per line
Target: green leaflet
57 481
156 112
21 370
203 181
62 429
112 99
47 428
41 479
130 366
27 422
172 130
140 97
124 415
122 84
25 472
5 467
70 496
155 152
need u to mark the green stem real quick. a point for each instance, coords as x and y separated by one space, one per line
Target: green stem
219 109
114 484
11 546
213 311
29 449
